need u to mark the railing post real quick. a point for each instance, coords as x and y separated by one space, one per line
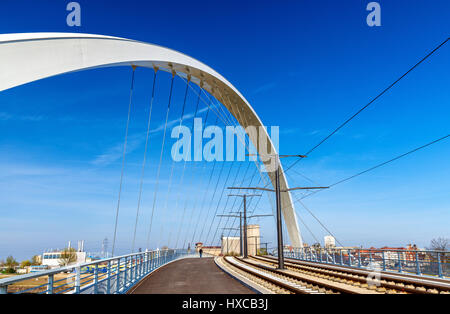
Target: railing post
417 264
359 258
125 276
136 267
440 265
77 279
341 261
118 276
50 284
349 257
399 262
139 270
3 289
384 260
145 262
96 279
139 266
132 268
108 279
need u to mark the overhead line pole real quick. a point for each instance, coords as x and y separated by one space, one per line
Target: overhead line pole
278 192
244 196
241 228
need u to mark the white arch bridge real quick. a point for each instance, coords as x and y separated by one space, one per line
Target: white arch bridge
25 58
30 57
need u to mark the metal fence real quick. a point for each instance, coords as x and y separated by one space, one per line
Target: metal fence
108 276
418 262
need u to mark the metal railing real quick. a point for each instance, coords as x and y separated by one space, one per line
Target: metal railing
417 262
108 276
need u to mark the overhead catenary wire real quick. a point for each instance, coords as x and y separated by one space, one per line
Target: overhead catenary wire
379 165
299 200
372 101
361 110
123 161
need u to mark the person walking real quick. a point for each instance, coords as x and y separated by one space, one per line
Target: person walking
200 252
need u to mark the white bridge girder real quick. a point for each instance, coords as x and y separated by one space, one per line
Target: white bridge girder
29 57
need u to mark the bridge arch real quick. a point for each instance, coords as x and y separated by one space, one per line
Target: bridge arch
29 57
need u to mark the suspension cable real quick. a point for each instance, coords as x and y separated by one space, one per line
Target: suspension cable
123 160
204 195
182 176
213 195
218 203
227 200
318 220
169 188
160 160
144 160
197 198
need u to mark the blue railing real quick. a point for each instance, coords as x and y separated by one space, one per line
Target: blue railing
417 262
108 276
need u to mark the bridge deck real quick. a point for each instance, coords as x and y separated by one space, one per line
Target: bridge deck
190 276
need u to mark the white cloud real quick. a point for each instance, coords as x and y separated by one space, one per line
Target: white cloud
4 116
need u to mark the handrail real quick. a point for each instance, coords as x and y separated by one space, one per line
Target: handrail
7 281
125 271
434 263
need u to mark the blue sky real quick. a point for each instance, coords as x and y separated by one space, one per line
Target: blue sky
303 65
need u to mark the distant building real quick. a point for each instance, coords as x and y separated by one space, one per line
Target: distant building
211 250
53 259
253 239
330 242
38 268
231 245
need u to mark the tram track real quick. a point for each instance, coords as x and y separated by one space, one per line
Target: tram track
319 279
390 283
